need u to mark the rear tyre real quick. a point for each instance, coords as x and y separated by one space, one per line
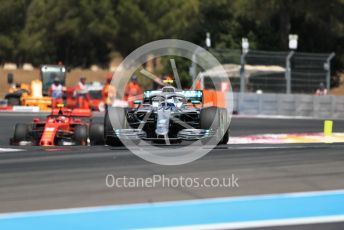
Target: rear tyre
210 118
225 138
97 134
81 134
224 127
21 132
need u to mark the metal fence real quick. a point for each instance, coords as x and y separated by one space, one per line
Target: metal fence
326 107
277 72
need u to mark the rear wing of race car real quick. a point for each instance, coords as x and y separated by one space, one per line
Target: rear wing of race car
72 112
191 95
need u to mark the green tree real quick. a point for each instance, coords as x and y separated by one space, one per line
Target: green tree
144 21
218 18
77 32
319 24
81 32
12 21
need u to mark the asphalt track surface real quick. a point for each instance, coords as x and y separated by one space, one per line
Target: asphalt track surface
65 177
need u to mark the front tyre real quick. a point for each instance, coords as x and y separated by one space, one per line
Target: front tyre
225 138
224 126
210 120
216 119
21 132
119 122
80 135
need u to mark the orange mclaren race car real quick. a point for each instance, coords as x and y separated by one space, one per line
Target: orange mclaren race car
62 127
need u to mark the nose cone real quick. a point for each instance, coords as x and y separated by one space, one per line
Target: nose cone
163 122
46 143
162 127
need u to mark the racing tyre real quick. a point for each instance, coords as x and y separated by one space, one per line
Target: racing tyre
119 122
210 119
20 132
97 134
81 134
224 127
225 137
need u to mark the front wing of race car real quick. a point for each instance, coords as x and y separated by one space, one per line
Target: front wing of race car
183 135
49 136
161 124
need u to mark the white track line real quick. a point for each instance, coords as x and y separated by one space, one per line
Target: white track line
10 150
279 117
165 203
261 224
287 138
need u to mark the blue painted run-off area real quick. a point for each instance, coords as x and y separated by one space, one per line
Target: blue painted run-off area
183 213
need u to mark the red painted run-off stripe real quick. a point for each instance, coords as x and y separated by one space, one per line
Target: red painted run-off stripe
6 108
288 138
20 108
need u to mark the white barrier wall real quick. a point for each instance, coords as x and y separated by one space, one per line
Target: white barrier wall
327 107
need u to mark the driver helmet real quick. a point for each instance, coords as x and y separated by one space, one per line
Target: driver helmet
56 81
61 118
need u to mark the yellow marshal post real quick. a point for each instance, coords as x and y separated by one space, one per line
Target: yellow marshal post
328 125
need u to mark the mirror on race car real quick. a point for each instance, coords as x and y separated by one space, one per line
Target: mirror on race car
137 102
195 102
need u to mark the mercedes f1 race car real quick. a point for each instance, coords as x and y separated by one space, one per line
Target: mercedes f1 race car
165 116
62 127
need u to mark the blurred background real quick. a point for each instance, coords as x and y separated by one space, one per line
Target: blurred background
265 42
285 61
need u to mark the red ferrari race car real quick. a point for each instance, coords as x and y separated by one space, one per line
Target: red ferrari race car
62 127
